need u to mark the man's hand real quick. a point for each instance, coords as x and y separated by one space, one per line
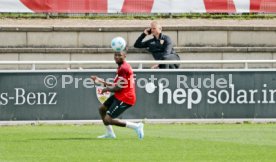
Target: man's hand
96 79
146 31
156 66
93 77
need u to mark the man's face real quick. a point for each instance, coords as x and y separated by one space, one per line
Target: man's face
155 30
119 57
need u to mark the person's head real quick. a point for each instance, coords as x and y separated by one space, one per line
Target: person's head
119 57
156 28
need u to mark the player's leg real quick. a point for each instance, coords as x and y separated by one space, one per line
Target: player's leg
102 110
116 109
137 127
108 119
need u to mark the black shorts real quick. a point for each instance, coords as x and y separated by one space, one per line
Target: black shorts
115 107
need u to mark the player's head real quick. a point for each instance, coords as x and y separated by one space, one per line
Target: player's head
156 28
119 57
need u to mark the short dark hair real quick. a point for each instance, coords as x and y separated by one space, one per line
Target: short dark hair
124 52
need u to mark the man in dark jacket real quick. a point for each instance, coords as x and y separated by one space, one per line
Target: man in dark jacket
160 46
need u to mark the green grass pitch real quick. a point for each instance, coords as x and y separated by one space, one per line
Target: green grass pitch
162 142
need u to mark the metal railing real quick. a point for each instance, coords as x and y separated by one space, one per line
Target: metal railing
137 62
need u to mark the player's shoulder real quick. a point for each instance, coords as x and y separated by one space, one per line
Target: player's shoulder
125 67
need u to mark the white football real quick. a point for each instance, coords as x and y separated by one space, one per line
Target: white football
118 44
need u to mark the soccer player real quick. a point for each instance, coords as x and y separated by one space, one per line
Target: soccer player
124 97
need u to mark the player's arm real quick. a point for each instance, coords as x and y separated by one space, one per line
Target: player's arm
100 81
121 83
112 89
118 86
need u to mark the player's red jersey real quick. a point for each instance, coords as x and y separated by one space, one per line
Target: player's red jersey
127 94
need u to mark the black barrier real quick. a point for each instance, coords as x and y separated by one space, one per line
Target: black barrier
160 95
